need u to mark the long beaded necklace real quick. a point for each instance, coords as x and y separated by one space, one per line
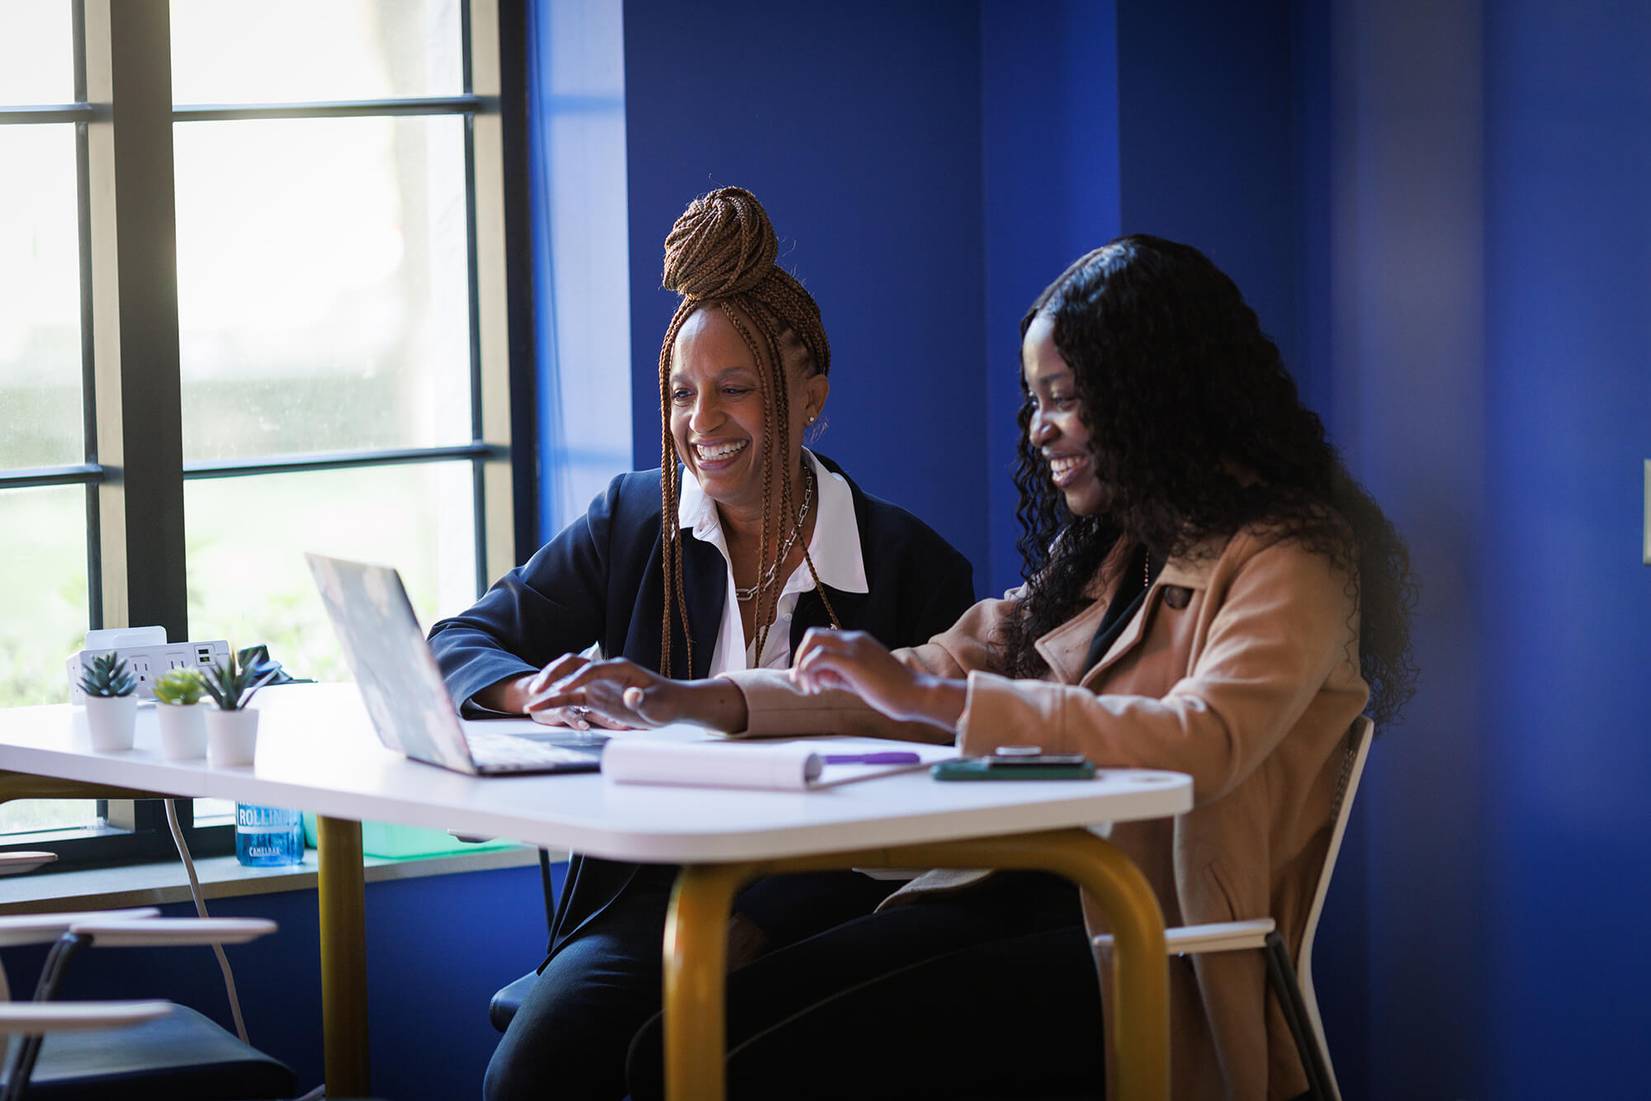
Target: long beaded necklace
748 594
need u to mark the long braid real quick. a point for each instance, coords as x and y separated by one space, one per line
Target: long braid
669 480
783 447
722 250
779 430
771 395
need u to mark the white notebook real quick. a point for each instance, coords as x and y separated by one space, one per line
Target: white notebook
774 766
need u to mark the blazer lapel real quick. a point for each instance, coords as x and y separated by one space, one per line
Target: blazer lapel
851 609
1191 571
1065 648
705 579
1132 635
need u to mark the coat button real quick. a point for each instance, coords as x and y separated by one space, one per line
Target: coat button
1177 596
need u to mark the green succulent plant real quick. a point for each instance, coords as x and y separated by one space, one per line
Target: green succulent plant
232 685
108 677
180 687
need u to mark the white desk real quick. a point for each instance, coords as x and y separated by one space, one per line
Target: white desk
316 750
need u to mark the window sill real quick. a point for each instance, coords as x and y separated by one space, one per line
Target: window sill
162 883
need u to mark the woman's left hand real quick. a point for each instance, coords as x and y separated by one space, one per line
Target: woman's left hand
858 663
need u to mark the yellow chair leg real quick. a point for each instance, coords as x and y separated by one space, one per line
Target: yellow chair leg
341 889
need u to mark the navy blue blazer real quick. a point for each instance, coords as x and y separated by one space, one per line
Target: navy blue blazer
599 581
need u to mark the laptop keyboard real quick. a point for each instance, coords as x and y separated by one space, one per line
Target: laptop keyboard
504 752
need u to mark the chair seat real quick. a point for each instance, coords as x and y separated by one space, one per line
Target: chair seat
182 1057
502 1009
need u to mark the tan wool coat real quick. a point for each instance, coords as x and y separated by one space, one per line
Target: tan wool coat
1240 669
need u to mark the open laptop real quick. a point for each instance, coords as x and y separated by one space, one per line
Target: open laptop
406 696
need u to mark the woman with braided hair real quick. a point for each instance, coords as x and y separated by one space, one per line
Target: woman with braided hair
1207 590
718 561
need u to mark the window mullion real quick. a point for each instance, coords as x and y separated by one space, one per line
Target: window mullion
516 164
132 228
88 358
490 294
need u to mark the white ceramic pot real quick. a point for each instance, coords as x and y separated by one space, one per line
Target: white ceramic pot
112 721
183 730
231 737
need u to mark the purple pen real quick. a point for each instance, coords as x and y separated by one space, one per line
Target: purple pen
872 759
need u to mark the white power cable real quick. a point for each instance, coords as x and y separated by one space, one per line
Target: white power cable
200 911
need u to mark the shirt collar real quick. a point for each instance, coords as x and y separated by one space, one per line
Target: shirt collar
835 546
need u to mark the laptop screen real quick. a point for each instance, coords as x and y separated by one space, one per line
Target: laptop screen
398 676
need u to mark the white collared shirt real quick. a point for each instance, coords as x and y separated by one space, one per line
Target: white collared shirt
834 547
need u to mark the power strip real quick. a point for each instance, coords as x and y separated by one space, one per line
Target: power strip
146 653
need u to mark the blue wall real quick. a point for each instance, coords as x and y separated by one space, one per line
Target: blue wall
1049 166
1483 230
1404 306
1208 144
859 127
1568 617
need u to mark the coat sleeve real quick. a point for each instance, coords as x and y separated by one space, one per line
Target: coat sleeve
775 708
1284 627
552 605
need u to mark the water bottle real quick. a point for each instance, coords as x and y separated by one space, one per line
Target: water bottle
268 836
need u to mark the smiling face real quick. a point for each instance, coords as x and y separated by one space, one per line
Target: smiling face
716 406
1057 428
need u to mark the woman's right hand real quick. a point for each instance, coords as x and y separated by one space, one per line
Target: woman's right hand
623 692
579 718
515 696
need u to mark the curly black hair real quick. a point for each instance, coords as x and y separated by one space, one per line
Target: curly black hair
1197 431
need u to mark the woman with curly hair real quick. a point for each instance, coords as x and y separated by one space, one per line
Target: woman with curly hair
1207 590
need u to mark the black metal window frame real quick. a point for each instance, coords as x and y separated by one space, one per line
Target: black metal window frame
123 115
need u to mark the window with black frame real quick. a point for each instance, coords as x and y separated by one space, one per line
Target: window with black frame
325 367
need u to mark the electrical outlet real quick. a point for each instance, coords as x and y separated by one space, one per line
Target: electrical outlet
147 662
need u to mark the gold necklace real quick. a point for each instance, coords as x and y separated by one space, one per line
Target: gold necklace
746 595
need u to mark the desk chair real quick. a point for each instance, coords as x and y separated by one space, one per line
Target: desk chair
75 1050
502 1009
1292 982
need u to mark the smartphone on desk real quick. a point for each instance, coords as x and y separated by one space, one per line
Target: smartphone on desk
1019 765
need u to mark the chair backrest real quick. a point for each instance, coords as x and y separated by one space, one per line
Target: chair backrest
1356 752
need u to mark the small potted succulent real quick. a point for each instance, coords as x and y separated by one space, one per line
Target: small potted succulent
231 727
111 706
182 720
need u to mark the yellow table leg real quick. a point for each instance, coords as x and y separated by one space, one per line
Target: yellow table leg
1139 1017
697 927
342 890
696 952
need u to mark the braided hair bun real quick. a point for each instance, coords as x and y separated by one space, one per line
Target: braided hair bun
721 246
720 256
